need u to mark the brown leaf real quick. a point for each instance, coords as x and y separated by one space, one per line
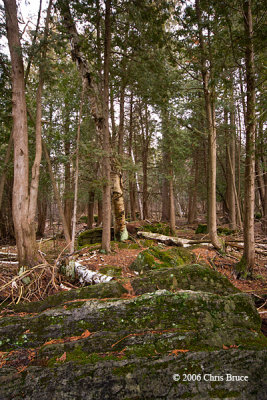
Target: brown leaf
62 358
177 351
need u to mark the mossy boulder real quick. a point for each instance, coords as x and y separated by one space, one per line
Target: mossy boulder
111 270
131 349
161 228
221 230
101 290
161 320
187 277
92 236
156 258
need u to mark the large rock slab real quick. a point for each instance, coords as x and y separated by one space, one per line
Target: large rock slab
143 378
131 348
189 277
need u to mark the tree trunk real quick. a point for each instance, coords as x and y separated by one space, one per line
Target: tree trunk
172 206
192 207
76 179
248 259
68 201
208 89
132 182
120 230
24 229
90 209
232 200
6 161
165 196
106 136
57 196
99 212
42 211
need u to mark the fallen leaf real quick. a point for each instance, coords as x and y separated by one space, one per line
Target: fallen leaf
62 358
177 351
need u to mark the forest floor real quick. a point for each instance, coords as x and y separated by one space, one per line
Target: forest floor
122 256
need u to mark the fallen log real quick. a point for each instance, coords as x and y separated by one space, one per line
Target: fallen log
168 240
171 240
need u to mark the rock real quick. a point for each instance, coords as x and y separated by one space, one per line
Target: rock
154 258
188 277
92 236
131 348
101 290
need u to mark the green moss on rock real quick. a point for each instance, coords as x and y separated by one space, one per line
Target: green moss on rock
101 290
92 236
188 277
156 258
161 228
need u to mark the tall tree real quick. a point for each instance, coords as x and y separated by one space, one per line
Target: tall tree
248 260
24 194
209 96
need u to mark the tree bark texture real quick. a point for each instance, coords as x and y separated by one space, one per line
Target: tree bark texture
90 209
68 200
24 231
120 229
249 200
57 196
208 89
106 136
42 211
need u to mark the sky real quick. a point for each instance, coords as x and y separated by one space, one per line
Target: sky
27 15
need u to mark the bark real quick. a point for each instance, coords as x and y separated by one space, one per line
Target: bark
38 127
165 210
172 206
208 90
100 213
90 209
248 259
75 204
192 208
106 136
145 151
68 201
57 196
231 155
6 161
42 211
132 183
23 203
168 240
120 229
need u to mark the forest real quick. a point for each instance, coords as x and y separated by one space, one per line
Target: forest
133 199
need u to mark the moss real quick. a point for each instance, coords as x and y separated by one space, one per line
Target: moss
223 231
111 270
101 290
202 228
162 229
128 245
156 258
241 269
91 236
144 262
147 242
223 394
187 277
